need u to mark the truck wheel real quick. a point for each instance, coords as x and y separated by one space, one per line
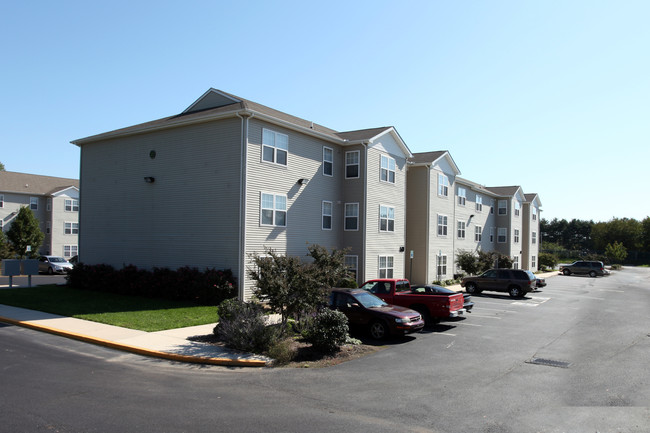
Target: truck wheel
424 312
515 292
472 289
566 272
592 274
378 330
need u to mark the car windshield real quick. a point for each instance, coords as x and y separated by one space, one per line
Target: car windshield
57 260
369 300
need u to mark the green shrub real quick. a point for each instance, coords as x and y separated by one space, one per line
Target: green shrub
547 260
242 326
328 331
282 351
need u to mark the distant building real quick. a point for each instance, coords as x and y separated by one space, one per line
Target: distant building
53 200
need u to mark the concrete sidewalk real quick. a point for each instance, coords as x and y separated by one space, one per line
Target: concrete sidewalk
171 344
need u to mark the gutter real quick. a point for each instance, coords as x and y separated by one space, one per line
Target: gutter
241 274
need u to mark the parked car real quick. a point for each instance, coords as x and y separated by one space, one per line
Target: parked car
516 282
432 307
540 282
439 290
53 265
363 309
591 268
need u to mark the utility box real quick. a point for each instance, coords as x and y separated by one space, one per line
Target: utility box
11 268
30 267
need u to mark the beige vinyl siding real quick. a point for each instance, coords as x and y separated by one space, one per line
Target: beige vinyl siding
417 218
188 216
303 227
384 193
59 217
440 205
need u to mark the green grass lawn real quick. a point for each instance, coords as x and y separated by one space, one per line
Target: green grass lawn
145 314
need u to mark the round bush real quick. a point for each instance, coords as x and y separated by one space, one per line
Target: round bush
328 331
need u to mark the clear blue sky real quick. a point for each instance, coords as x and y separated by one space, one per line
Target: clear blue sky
553 96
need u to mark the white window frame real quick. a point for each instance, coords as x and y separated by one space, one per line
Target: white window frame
326 214
352 264
462 196
351 213
534 238
461 227
479 203
70 228
48 204
441 266
492 234
387 169
533 262
502 235
387 268
517 208
443 185
71 205
70 250
279 205
33 203
48 227
278 143
386 217
478 233
515 262
534 213
443 225
503 207
328 161
516 236
356 163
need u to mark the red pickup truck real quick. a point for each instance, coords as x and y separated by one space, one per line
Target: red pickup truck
432 307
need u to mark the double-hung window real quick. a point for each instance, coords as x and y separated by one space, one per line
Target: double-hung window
441 266
534 238
327 215
352 164
443 185
517 208
492 234
275 147
516 236
461 229
274 210
352 216
533 262
503 207
479 203
33 203
515 262
352 264
478 233
462 196
385 266
71 228
328 161
70 250
502 235
2 200
386 219
72 205
534 213
387 172
442 225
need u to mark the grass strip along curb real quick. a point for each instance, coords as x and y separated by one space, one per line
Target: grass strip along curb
138 350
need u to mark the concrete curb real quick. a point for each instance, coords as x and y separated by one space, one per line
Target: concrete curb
138 350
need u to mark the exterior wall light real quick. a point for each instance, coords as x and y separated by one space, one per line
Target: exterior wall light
149 179
303 181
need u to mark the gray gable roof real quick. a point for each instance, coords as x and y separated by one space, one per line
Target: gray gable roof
509 191
427 157
23 183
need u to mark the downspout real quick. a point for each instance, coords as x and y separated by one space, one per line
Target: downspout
427 231
365 211
241 275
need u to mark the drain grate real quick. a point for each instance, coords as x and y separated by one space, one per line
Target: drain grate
549 362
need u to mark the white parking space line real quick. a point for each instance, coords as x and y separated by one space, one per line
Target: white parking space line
611 290
485 317
469 324
497 309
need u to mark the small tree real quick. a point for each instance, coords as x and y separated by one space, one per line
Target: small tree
468 262
5 250
547 260
616 253
24 232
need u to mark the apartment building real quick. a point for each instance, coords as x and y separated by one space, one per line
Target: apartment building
228 177
54 202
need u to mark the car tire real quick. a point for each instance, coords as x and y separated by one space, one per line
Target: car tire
566 272
472 289
592 274
50 271
378 330
515 292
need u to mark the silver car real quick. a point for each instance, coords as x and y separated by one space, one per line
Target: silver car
53 265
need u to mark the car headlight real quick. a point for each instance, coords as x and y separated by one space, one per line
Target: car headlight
404 320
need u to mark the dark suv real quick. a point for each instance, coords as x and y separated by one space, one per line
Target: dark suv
516 282
591 268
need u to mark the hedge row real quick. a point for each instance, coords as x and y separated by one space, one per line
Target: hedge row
209 287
